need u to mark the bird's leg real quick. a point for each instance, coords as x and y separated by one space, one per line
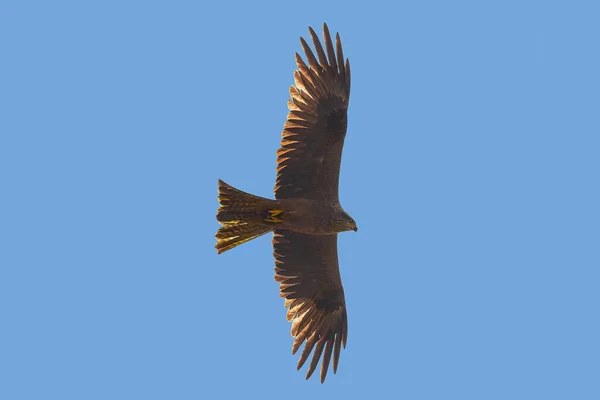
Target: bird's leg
273 216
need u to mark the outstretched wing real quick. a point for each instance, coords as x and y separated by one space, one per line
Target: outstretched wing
308 161
306 266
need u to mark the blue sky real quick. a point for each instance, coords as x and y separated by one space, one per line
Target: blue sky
471 166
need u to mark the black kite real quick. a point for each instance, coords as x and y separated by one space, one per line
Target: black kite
306 215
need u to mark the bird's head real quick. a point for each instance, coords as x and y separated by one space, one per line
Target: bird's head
348 223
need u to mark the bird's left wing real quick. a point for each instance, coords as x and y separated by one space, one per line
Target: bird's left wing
306 266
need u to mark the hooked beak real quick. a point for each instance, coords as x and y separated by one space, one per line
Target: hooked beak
355 229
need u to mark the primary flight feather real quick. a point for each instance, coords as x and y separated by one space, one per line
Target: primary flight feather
306 215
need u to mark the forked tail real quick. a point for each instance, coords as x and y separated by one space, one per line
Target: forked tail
242 216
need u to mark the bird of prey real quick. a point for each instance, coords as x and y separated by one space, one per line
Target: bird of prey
306 215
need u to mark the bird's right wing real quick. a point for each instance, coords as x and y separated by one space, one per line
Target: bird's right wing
308 161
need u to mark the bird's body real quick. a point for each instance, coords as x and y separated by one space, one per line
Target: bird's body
306 215
313 217
301 215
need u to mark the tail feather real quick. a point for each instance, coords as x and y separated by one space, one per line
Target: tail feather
230 236
242 217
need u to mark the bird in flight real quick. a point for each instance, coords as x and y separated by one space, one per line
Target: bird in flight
306 215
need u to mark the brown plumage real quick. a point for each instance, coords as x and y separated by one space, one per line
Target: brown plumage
306 215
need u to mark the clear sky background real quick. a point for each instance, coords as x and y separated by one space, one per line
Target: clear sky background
471 166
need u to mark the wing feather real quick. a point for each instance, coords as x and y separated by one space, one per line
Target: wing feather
315 359
326 358
329 47
312 61
340 57
318 47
